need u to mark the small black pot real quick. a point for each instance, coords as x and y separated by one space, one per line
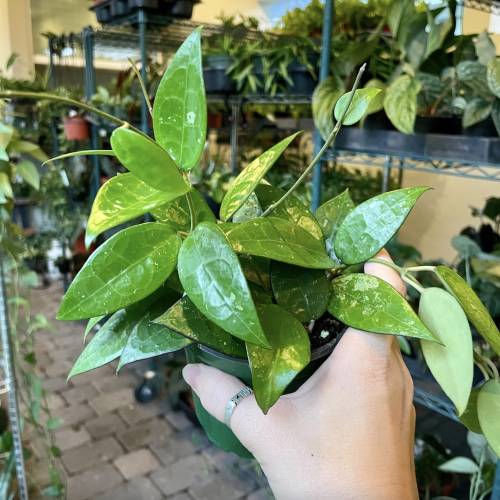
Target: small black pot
183 8
485 128
217 81
449 125
303 81
378 121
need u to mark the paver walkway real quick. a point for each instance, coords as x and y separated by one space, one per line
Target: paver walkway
114 448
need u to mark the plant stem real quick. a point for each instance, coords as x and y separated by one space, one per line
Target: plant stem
482 369
329 142
410 280
8 94
192 214
143 86
417 269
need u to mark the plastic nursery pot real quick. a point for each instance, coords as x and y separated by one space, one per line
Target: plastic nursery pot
76 128
449 125
183 8
219 433
303 81
215 76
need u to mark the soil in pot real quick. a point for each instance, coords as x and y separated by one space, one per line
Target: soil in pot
324 336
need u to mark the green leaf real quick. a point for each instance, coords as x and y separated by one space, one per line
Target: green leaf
213 279
185 319
148 161
256 270
53 423
367 228
330 215
250 177
303 292
180 108
280 240
29 148
485 48
176 213
474 75
476 110
400 102
106 345
488 411
249 210
451 363
5 186
90 326
369 303
469 417
377 103
477 314
460 465
359 105
126 268
493 76
120 199
28 171
438 26
291 209
6 134
273 369
324 98
465 247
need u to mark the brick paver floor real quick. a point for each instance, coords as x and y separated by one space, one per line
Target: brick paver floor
114 448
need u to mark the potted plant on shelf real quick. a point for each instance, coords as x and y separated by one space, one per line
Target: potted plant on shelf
262 292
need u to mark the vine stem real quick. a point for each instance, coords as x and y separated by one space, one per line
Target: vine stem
142 83
9 94
329 142
403 273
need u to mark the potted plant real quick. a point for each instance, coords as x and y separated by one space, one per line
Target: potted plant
76 128
264 291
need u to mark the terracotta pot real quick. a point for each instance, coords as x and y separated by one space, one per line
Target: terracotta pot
215 120
76 129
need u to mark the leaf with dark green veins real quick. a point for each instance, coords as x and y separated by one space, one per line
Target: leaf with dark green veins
471 304
451 364
469 417
280 240
493 76
180 108
120 199
303 292
488 411
359 105
106 345
369 303
368 227
212 277
330 215
185 319
485 48
148 161
90 326
291 209
274 369
176 213
400 102
250 177
125 269
28 171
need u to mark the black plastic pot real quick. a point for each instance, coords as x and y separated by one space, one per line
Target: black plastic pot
183 8
119 8
449 125
303 81
219 433
485 128
377 121
217 81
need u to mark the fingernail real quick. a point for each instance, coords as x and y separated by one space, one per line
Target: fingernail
190 374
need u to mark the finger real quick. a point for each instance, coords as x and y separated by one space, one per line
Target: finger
215 388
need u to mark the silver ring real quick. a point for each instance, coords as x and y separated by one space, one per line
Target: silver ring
234 402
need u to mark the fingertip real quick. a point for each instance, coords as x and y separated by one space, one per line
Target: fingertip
190 374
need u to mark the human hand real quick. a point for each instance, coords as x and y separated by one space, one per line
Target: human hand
346 433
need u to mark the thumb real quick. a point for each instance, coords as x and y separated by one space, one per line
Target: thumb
215 388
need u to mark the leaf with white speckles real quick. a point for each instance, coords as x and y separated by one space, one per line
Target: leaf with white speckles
125 269
367 228
180 108
488 411
212 277
369 303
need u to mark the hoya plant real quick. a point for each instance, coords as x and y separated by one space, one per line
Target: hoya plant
253 283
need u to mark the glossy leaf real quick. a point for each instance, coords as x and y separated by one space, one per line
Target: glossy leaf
469 417
367 228
303 292
451 363
485 48
250 177
180 108
176 213
28 171
213 279
477 314
359 105
6 133
377 103
460 465
106 345
120 199
324 98
493 76
185 319
280 240
330 215
274 369
148 161
476 110
92 322
256 270
369 303
400 102
291 209
249 210
125 269
488 411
